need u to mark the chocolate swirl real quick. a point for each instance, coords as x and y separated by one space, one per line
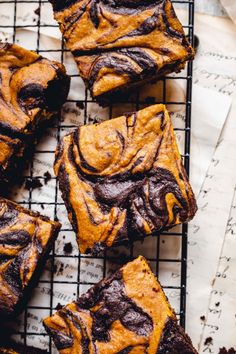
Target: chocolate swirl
25 238
126 313
123 179
115 305
104 34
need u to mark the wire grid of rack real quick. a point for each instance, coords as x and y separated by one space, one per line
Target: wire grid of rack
54 286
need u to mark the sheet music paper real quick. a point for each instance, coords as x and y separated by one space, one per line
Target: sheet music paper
206 233
220 323
215 68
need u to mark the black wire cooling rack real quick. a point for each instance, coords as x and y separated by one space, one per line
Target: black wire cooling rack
68 273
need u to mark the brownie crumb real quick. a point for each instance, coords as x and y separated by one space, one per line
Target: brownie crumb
59 306
37 11
68 248
80 105
203 318
47 176
208 341
225 351
32 183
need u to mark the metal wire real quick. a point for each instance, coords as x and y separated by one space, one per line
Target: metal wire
26 332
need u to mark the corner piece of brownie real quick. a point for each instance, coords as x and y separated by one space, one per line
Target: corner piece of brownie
123 179
126 313
32 89
119 43
25 239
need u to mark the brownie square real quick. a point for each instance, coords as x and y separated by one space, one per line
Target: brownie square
125 313
11 151
32 90
123 179
25 239
121 43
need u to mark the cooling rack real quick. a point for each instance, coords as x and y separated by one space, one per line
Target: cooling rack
67 273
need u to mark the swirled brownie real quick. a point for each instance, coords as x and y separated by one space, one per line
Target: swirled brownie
123 179
25 239
32 88
119 43
126 313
